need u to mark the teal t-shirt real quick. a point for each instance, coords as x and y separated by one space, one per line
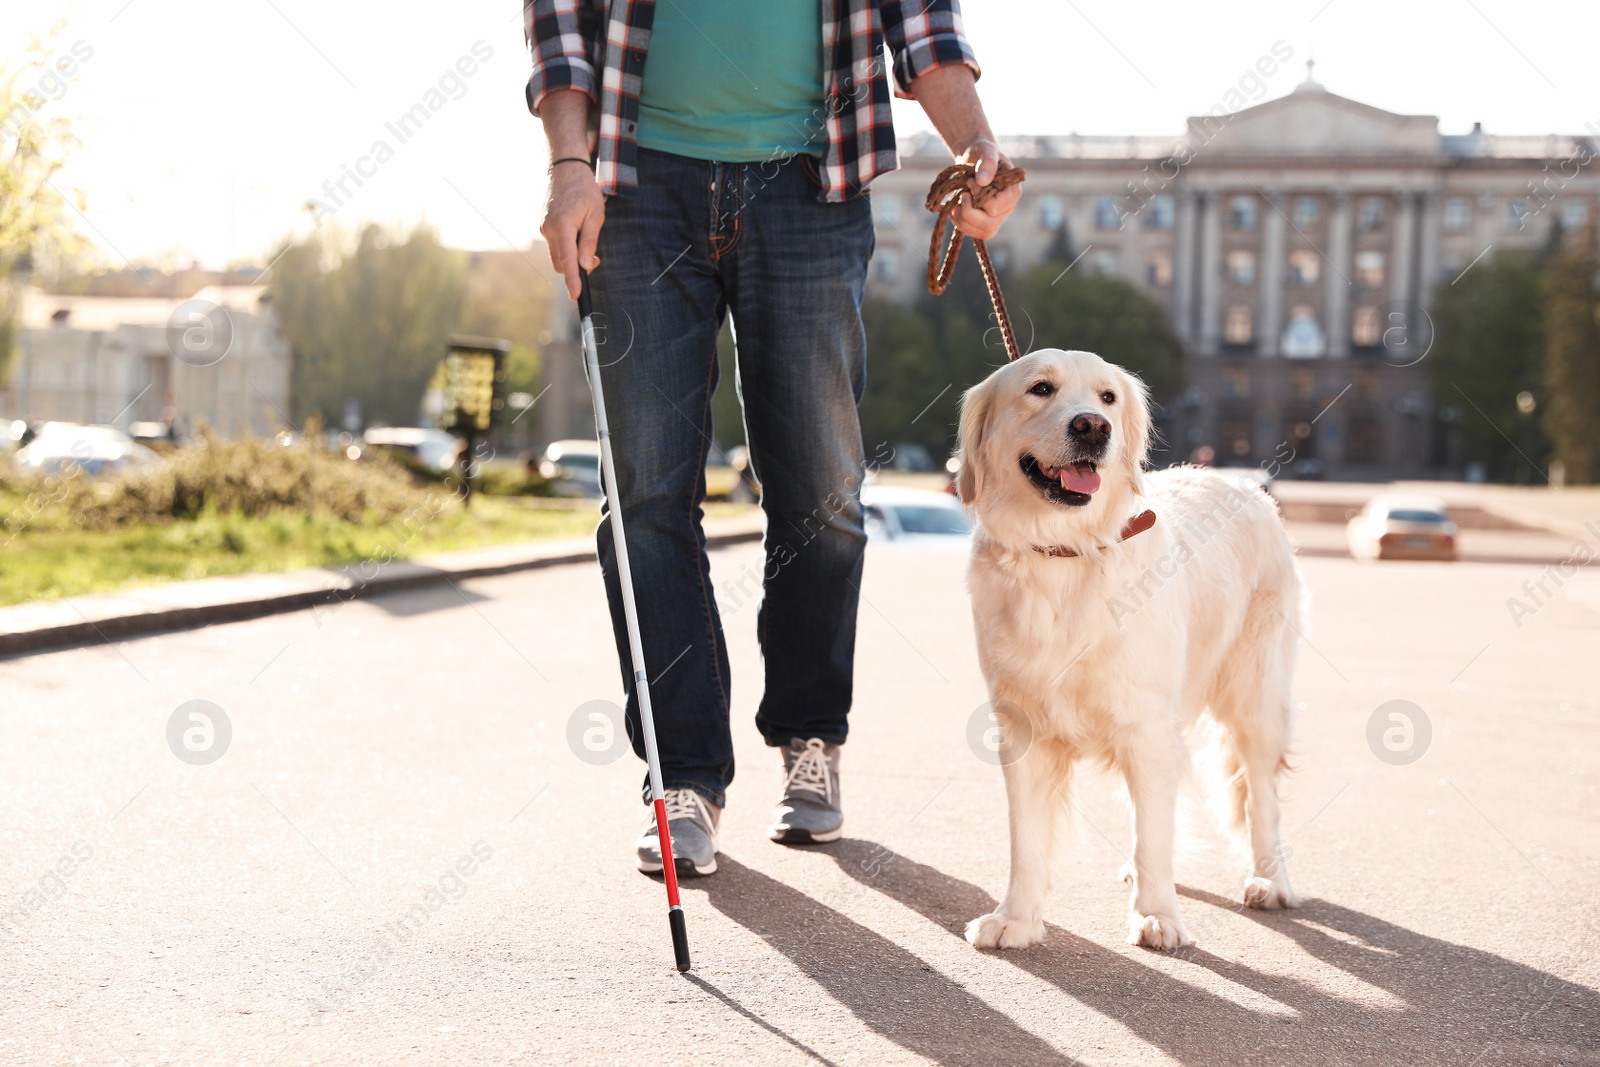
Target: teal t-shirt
733 80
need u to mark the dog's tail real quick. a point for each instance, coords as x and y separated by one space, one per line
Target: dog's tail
1219 778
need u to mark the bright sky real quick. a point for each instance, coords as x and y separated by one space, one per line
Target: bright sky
207 125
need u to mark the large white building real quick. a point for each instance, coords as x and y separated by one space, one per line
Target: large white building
218 357
1296 245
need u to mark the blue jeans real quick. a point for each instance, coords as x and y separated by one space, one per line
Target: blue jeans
698 241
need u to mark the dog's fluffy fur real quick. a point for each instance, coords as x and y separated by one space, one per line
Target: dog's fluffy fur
1115 654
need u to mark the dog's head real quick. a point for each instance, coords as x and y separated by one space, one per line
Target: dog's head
1053 447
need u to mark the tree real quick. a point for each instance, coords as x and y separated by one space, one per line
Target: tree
369 320
1105 315
508 295
33 223
1572 358
1489 348
920 359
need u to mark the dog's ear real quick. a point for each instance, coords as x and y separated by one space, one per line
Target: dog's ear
976 405
1136 426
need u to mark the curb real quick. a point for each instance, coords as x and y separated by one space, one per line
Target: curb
44 625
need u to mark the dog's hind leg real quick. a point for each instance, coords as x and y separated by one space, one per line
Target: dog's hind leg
1151 761
1252 704
1037 779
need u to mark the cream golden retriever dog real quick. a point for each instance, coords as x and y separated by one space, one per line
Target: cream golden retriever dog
1119 612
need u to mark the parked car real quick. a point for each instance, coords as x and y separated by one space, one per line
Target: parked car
910 456
65 447
427 447
915 515
1396 527
574 467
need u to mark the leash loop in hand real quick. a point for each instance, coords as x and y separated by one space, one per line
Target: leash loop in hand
949 190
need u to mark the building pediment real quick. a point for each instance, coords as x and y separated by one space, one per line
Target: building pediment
1314 122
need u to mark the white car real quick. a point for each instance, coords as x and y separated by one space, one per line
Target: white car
574 465
913 515
70 447
434 449
1403 527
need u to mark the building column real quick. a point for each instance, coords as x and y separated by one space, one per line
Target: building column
1269 322
1183 268
1337 302
1210 274
1432 208
1401 259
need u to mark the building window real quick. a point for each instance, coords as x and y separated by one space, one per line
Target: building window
1366 330
1365 444
1235 434
1305 211
886 264
1242 213
1158 269
1159 213
1303 383
1304 266
1457 213
1574 213
1237 383
1239 328
1242 268
1369 269
1051 214
1106 215
888 206
1303 337
1103 263
1516 214
1371 216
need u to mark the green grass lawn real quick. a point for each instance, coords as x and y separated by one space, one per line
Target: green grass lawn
51 562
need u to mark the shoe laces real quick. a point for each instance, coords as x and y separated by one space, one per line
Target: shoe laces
686 804
810 771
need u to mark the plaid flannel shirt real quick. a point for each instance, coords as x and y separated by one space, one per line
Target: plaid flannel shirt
599 47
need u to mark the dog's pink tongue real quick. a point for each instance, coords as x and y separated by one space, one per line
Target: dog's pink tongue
1080 478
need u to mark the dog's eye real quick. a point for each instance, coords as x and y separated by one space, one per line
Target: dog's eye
1109 397
1042 389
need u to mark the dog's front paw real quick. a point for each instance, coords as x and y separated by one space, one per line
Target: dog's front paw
1157 931
997 930
1269 894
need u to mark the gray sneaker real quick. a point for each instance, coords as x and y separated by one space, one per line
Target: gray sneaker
810 812
692 820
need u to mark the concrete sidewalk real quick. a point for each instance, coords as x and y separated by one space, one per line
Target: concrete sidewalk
48 624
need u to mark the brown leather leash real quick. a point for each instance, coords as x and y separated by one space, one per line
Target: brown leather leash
948 192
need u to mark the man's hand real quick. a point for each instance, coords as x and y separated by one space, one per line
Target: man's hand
575 209
984 222
950 97
573 215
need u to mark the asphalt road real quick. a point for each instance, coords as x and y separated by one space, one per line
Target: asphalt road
398 857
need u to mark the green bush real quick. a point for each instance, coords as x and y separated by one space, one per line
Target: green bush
250 478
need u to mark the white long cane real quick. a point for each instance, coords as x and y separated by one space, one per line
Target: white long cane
630 611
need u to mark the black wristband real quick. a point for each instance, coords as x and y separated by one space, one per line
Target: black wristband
571 159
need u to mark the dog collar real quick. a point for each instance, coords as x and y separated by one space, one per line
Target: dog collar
1136 525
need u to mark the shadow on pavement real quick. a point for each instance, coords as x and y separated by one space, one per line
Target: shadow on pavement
1462 1006
886 987
424 597
758 1020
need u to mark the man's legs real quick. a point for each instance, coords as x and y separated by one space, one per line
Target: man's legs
795 282
658 300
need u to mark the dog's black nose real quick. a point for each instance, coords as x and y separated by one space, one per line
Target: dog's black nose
1090 428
